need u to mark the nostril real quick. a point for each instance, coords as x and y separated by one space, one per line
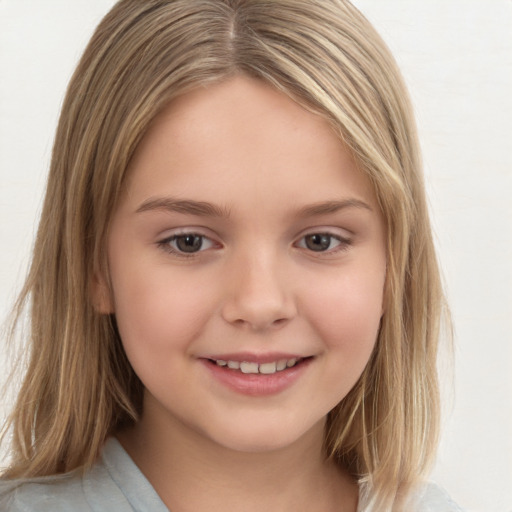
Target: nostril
257 325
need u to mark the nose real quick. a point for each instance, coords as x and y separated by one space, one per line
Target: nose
258 296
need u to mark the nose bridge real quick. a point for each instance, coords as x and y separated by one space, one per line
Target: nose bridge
259 295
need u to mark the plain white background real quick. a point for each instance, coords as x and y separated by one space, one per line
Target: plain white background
456 56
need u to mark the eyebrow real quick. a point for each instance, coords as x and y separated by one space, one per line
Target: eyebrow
205 209
186 206
327 207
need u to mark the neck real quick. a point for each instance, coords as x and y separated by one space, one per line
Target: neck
193 473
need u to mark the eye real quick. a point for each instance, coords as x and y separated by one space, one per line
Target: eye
187 243
322 242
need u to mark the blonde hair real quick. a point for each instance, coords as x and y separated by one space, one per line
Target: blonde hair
79 387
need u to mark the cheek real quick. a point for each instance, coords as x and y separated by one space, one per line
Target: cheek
346 311
346 315
157 314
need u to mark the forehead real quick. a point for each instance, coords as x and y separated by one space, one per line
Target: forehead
242 137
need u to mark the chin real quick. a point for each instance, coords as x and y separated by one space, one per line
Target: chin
265 437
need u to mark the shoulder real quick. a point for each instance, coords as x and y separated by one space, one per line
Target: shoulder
427 497
113 484
55 494
432 498
90 491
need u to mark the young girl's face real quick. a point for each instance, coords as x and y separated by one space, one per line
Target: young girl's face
247 260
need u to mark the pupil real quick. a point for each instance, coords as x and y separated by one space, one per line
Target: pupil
189 243
318 242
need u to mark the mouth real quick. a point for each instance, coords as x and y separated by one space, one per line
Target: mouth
252 367
257 374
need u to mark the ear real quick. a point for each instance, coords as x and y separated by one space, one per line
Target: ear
101 295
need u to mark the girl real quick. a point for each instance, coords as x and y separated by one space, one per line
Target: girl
234 295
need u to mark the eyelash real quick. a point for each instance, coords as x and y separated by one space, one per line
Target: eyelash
165 244
343 245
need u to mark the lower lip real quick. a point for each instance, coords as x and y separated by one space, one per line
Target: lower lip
257 384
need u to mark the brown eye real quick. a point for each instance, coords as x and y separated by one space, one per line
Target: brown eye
188 243
318 242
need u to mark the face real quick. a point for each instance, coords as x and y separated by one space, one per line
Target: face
247 262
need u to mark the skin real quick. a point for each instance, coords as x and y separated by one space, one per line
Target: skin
265 164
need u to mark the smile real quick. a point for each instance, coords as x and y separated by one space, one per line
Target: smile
257 375
262 368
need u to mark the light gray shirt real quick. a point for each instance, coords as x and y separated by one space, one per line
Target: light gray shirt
115 484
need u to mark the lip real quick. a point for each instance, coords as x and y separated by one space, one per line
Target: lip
251 357
256 384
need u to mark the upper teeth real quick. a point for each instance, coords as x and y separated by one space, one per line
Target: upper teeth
265 368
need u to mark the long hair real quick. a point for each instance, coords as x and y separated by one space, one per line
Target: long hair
79 387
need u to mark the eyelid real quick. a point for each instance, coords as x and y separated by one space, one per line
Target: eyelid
334 231
345 239
164 242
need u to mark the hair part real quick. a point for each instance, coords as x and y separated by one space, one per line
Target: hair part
80 387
